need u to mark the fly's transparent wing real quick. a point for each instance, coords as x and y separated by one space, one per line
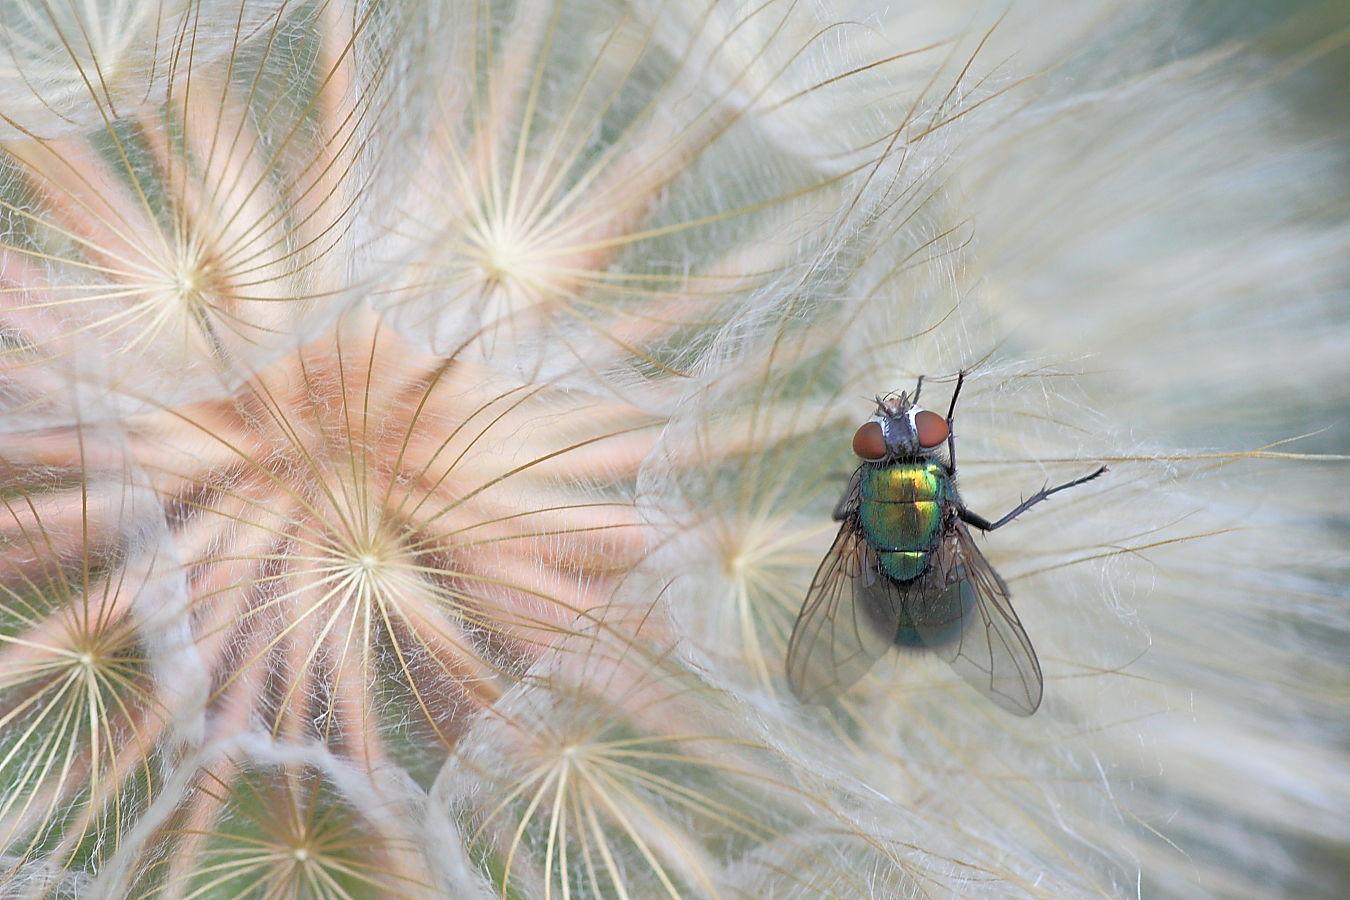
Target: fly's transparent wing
965 616
847 621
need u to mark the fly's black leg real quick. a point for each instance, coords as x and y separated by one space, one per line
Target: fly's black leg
951 432
918 387
956 392
977 521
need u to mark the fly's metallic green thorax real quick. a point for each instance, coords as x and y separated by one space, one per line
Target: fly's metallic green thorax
901 507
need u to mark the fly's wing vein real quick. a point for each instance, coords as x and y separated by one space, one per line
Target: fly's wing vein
847 621
973 626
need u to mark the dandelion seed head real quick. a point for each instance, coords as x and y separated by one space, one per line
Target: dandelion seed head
763 560
421 424
248 821
66 67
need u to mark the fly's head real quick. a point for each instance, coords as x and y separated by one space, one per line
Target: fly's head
899 428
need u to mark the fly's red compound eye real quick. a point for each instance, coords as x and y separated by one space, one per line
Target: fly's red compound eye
869 443
930 428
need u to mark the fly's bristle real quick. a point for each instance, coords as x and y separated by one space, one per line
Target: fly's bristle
894 405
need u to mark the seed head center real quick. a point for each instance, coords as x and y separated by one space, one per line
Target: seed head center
511 261
189 279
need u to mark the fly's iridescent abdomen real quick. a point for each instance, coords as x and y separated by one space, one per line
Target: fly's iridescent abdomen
901 509
902 506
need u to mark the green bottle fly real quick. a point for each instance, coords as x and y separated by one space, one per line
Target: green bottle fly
905 571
